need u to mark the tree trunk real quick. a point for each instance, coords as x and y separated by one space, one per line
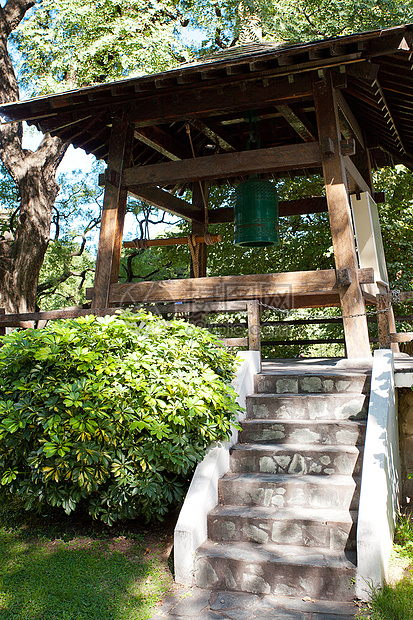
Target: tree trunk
23 247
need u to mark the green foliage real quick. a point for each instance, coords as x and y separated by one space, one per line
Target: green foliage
72 43
294 21
394 601
112 412
403 539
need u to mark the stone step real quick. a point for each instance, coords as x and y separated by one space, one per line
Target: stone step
296 459
303 432
328 383
286 490
308 527
284 570
307 406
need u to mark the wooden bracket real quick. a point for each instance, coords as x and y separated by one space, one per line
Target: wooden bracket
112 177
343 277
348 147
327 146
339 79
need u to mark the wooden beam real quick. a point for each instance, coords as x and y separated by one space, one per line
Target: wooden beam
226 288
303 129
198 265
162 199
351 297
349 119
358 182
150 243
286 208
226 165
213 100
385 108
217 139
162 142
113 214
235 342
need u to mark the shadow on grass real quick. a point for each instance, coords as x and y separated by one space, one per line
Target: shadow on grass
77 572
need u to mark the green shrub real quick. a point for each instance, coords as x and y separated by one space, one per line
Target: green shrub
111 413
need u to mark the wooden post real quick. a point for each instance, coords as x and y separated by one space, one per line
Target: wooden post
254 337
198 269
383 320
351 297
113 213
2 328
198 229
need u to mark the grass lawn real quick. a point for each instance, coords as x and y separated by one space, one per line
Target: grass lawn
395 600
60 568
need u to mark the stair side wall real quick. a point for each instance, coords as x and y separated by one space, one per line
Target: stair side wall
202 497
380 482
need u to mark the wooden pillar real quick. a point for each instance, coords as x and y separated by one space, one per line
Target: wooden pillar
254 337
113 213
198 229
384 319
351 297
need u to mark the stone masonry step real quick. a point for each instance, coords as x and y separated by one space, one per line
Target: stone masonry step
323 383
303 432
286 490
295 459
309 527
307 406
283 570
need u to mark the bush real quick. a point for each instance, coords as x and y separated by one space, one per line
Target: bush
111 413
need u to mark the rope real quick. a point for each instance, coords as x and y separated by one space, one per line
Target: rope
208 239
201 187
194 249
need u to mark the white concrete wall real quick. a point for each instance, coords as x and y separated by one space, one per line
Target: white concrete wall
202 496
380 484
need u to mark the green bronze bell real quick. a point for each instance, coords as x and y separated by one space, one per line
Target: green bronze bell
256 214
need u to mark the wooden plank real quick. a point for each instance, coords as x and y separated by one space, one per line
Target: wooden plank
162 142
162 199
303 129
210 100
402 337
306 341
114 205
351 297
354 173
235 342
350 119
226 165
212 135
227 288
209 307
138 243
254 336
286 208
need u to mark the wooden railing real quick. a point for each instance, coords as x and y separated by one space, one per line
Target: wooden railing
197 297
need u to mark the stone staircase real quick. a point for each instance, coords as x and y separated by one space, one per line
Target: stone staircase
287 517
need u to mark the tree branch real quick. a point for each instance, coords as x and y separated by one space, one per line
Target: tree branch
15 10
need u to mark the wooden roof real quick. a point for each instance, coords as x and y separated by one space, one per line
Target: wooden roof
212 96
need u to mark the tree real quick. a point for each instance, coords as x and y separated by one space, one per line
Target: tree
63 44
292 20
